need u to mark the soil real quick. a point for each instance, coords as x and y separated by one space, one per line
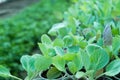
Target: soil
11 7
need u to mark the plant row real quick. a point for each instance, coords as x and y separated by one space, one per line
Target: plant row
86 45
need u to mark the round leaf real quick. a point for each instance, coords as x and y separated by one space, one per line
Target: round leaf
53 73
113 68
98 58
42 63
59 63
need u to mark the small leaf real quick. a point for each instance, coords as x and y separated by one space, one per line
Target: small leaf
69 56
59 63
58 42
43 48
53 73
116 45
79 75
85 59
42 63
91 47
56 27
51 52
45 39
68 40
72 25
78 61
63 32
72 67
113 68
59 51
28 64
73 49
25 62
4 72
83 44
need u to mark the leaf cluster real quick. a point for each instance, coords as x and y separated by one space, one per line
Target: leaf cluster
86 43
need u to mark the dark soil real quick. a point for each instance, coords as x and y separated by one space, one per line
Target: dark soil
12 7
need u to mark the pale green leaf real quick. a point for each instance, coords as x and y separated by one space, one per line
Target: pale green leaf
68 40
72 67
113 68
59 63
73 49
98 56
79 75
116 45
58 42
28 64
53 31
53 73
42 63
45 39
43 48
85 59
59 51
69 56
4 72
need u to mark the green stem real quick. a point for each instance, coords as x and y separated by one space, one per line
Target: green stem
15 77
99 76
116 78
74 78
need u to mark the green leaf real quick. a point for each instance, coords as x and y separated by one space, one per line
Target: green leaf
63 32
45 39
73 49
42 63
69 56
28 64
75 64
116 11
72 67
51 52
100 42
59 63
4 72
91 48
83 44
72 25
98 56
68 40
79 75
113 68
43 48
76 39
85 59
25 60
58 42
53 73
56 27
115 45
59 51
78 61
